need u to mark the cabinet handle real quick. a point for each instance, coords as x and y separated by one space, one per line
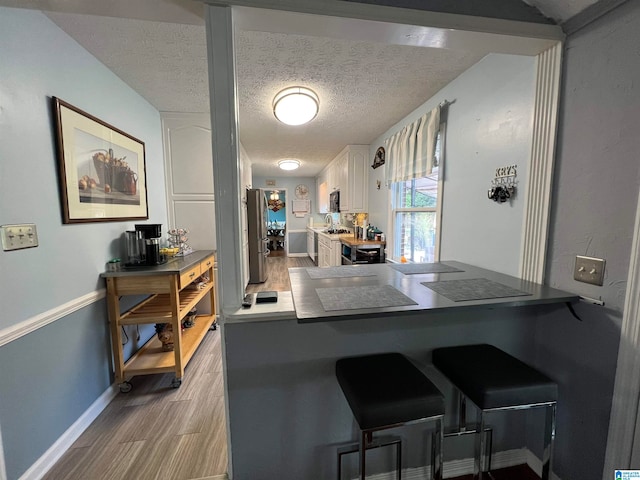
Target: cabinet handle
193 274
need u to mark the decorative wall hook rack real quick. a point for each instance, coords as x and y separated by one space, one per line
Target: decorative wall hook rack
503 186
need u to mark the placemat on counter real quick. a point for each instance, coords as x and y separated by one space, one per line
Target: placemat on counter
473 289
340 272
418 268
353 298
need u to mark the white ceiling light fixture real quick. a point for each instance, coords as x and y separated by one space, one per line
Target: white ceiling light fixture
289 164
296 105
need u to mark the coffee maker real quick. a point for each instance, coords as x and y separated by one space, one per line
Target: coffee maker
151 234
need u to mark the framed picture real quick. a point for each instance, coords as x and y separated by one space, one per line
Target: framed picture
101 169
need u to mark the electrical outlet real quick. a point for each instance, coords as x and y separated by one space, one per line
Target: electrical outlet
15 237
589 270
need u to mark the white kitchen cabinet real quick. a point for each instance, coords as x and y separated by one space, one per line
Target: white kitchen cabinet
335 258
347 172
341 167
357 179
322 191
329 251
324 251
311 244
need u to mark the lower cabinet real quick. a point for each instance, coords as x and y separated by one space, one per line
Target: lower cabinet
311 244
329 252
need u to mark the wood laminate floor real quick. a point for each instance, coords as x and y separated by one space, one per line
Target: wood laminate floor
278 274
156 432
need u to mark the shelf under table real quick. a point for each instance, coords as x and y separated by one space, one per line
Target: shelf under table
157 308
152 359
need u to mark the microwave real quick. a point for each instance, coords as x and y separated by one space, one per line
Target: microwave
334 201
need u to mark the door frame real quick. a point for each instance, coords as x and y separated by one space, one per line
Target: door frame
624 423
286 216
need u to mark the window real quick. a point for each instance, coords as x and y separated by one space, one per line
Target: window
415 216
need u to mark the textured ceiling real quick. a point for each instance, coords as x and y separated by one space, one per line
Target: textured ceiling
364 87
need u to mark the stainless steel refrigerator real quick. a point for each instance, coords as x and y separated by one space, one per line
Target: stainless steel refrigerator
257 217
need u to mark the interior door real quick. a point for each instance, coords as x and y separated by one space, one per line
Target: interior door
189 173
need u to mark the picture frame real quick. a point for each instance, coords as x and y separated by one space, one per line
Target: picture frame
101 169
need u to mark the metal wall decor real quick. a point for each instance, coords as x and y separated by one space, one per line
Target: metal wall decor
503 186
378 161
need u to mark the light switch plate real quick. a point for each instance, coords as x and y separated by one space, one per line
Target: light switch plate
589 270
15 237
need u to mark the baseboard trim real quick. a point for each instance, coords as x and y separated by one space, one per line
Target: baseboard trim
14 332
298 255
55 452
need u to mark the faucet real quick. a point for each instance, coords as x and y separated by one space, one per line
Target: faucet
329 219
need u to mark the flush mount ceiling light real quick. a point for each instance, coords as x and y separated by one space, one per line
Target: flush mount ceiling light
296 105
288 164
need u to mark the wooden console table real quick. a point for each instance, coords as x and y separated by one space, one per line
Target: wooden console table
173 292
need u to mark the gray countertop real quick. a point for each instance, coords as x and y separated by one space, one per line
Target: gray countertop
173 265
328 299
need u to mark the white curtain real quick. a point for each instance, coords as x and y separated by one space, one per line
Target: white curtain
411 151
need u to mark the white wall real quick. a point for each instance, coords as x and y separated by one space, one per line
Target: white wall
52 375
489 126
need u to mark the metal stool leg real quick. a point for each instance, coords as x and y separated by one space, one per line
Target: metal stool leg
399 459
364 438
480 448
549 437
462 412
436 450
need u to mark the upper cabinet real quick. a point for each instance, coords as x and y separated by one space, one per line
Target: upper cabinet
348 173
322 191
356 179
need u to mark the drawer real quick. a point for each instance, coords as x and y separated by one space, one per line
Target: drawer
206 264
189 276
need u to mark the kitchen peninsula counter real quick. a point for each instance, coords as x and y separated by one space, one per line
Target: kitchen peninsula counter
418 298
283 363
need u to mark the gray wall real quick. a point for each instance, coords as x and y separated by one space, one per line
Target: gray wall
489 126
594 200
51 376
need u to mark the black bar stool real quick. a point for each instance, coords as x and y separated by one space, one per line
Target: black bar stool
385 391
494 380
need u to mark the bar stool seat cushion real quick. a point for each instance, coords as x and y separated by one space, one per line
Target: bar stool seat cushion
491 378
387 389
